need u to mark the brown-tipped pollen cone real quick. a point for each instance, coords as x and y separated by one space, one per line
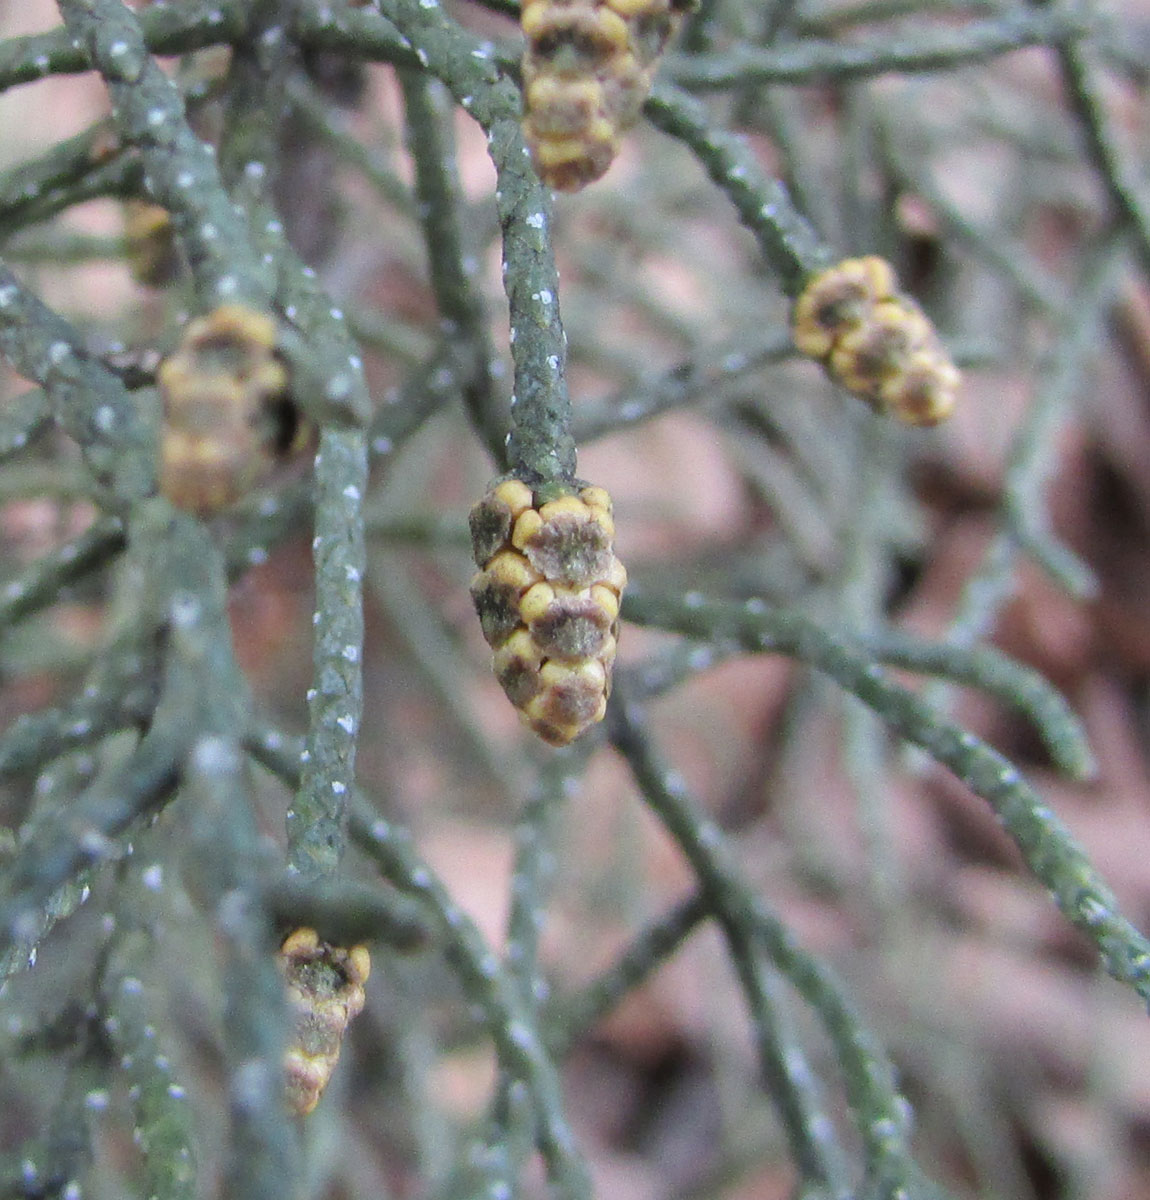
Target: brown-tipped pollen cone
547 595
325 990
587 69
876 341
228 418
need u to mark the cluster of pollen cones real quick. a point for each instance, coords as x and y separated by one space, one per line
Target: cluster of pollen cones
547 595
587 69
876 341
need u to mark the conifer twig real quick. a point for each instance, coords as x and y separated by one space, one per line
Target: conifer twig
41 582
167 29
181 173
749 927
88 401
570 1017
941 49
22 419
1046 845
1119 176
540 447
509 1022
787 240
163 1128
510 1025
452 258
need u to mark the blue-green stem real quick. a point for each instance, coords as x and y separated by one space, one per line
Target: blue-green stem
540 448
750 928
181 172
1049 850
941 49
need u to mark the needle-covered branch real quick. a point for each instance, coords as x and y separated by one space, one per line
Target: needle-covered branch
1128 194
41 583
750 928
183 582
167 29
88 401
540 447
942 49
570 1017
787 240
508 1021
452 253
1046 845
163 1126
181 173
317 820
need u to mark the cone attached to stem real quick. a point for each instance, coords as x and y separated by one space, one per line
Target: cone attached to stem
325 990
229 419
587 69
547 595
876 341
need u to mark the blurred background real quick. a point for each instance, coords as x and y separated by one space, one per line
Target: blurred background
737 471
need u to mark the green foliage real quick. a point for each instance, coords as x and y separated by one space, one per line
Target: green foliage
161 779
